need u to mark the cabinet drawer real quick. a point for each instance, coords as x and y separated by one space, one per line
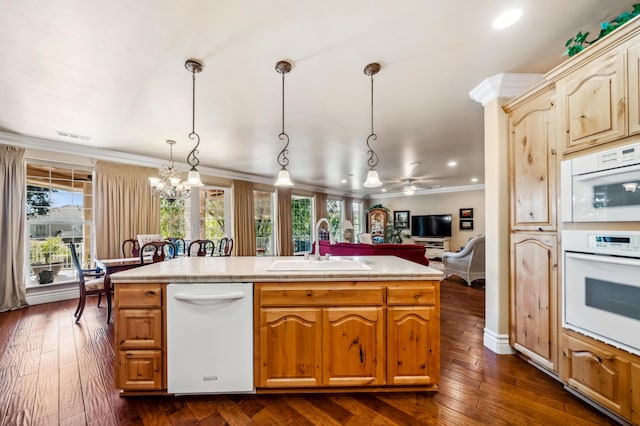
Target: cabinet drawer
599 374
140 370
411 295
338 295
138 295
139 328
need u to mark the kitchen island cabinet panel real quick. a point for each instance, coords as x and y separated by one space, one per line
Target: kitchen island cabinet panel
140 370
290 347
353 346
413 348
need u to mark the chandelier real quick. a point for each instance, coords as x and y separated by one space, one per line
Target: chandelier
169 185
283 67
373 181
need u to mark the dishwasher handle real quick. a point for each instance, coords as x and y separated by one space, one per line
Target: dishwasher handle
203 298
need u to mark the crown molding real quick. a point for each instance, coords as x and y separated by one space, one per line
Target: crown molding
504 85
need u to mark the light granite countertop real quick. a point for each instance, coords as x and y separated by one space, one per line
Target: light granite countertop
257 269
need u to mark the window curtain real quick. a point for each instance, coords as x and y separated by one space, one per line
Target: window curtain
13 197
284 242
348 215
244 229
124 206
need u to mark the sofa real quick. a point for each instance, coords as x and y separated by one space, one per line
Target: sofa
412 252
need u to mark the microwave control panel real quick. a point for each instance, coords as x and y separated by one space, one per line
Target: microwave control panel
622 243
622 156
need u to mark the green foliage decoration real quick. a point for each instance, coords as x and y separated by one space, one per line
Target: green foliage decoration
49 249
576 44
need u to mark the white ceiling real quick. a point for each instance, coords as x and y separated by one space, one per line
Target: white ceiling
114 71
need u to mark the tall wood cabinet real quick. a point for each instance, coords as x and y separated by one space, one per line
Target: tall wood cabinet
534 244
586 103
534 297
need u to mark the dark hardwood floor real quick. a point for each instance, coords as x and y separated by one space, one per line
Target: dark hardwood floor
53 371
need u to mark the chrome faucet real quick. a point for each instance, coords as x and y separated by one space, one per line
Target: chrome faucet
317 250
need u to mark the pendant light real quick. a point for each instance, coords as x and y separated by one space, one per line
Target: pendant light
194 66
373 181
283 67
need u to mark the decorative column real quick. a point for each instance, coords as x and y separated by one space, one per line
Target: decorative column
493 93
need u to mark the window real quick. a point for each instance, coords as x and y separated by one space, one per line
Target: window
335 217
263 206
172 218
59 212
358 227
213 202
301 224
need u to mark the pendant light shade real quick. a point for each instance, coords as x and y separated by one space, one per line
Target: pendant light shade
373 180
283 67
283 178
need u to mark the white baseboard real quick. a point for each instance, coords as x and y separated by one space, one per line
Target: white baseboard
498 343
38 297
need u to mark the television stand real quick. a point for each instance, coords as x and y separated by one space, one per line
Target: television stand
436 246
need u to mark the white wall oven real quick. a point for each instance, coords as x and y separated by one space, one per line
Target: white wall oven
602 187
601 286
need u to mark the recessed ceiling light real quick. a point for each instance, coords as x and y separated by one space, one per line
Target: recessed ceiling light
506 19
452 163
384 189
343 181
474 179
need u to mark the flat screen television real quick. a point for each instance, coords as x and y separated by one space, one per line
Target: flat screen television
431 225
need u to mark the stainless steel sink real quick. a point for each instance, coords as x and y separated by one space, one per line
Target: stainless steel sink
322 265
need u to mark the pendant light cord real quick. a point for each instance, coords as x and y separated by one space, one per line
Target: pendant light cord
373 157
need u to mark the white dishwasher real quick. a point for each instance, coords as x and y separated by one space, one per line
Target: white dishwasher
210 338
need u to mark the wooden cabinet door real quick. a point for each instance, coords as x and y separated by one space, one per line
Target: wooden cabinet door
532 151
635 393
413 345
139 328
591 103
598 374
534 301
140 370
290 347
353 346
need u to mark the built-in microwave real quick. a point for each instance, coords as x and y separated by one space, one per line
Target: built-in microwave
602 186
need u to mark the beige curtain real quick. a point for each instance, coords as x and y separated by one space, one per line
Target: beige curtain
320 207
284 242
244 230
348 215
13 184
348 209
124 206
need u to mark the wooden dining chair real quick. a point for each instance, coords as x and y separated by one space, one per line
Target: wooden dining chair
130 248
205 248
157 251
91 282
225 246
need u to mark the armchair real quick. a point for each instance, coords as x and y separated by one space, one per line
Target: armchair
468 263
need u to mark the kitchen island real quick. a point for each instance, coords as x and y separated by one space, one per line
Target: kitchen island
370 324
